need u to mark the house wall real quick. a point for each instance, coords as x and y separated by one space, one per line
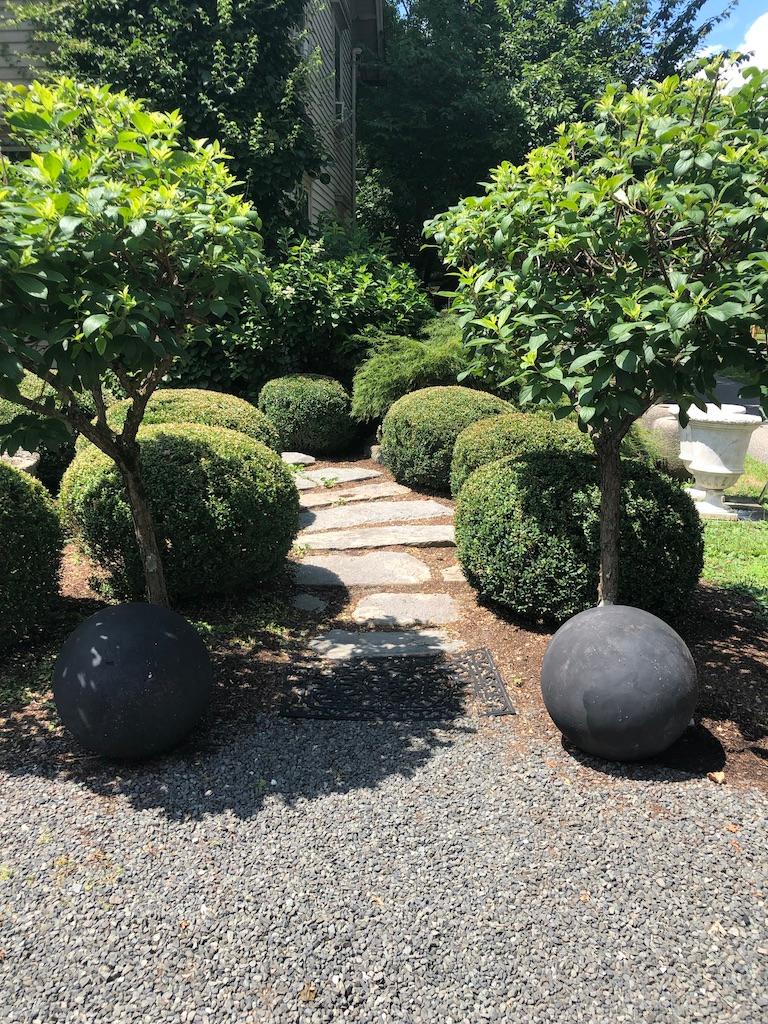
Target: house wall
14 43
335 127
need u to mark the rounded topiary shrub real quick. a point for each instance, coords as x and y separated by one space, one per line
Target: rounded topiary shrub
420 430
30 553
225 509
515 435
311 413
210 408
528 536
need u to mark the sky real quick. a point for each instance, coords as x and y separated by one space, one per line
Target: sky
746 29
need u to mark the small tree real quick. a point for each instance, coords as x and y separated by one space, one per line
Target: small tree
625 263
117 243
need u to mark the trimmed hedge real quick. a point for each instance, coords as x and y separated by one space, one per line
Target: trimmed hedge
528 536
30 553
420 430
210 408
225 509
54 458
515 435
311 413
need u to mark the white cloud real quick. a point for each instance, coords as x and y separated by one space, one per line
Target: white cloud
754 45
756 41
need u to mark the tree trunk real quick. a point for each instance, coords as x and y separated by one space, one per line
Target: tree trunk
610 517
144 527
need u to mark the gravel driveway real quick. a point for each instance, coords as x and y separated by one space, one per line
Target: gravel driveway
306 871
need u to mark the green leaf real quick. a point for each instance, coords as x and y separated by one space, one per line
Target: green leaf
143 122
32 286
681 314
94 323
138 227
725 311
68 225
627 361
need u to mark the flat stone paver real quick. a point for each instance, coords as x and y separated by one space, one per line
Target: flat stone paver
376 569
331 476
298 459
381 537
406 609
454 574
364 492
345 516
344 644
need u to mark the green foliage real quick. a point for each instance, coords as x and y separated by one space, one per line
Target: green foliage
420 430
515 435
30 551
527 532
399 366
319 297
234 70
117 241
54 458
311 413
225 510
626 261
210 408
471 84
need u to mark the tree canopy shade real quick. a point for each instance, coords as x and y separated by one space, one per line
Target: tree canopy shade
472 82
625 262
232 67
117 243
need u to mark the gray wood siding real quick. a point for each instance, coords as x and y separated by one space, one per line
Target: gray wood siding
14 43
334 197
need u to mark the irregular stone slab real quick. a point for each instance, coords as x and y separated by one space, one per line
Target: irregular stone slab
309 603
454 574
377 569
365 492
406 609
298 459
343 644
342 516
381 537
24 461
331 476
304 485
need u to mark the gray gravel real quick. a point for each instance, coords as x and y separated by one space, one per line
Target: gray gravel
307 872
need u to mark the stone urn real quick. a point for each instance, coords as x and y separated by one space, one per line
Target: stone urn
662 421
713 448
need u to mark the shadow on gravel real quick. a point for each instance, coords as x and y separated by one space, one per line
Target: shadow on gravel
242 754
695 755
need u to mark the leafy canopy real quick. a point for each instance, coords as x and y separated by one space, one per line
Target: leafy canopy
234 69
472 82
628 260
117 243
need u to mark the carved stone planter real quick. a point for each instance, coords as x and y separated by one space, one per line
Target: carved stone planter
713 448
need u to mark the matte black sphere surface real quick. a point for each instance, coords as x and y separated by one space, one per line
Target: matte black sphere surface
132 681
619 683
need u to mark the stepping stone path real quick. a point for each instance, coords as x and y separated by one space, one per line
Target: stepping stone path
343 644
371 517
346 516
297 459
406 609
380 537
363 492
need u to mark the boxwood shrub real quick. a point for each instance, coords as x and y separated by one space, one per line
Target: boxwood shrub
211 408
30 554
225 509
311 413
54 458
528 536
515 434
420 430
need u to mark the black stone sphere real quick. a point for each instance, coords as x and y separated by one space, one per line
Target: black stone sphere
619 683
132 681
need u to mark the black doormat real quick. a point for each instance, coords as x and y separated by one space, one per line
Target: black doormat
399 689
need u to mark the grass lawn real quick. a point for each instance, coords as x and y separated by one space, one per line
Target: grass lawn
736 558
753 480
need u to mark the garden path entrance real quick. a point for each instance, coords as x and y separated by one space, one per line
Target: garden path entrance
375 568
